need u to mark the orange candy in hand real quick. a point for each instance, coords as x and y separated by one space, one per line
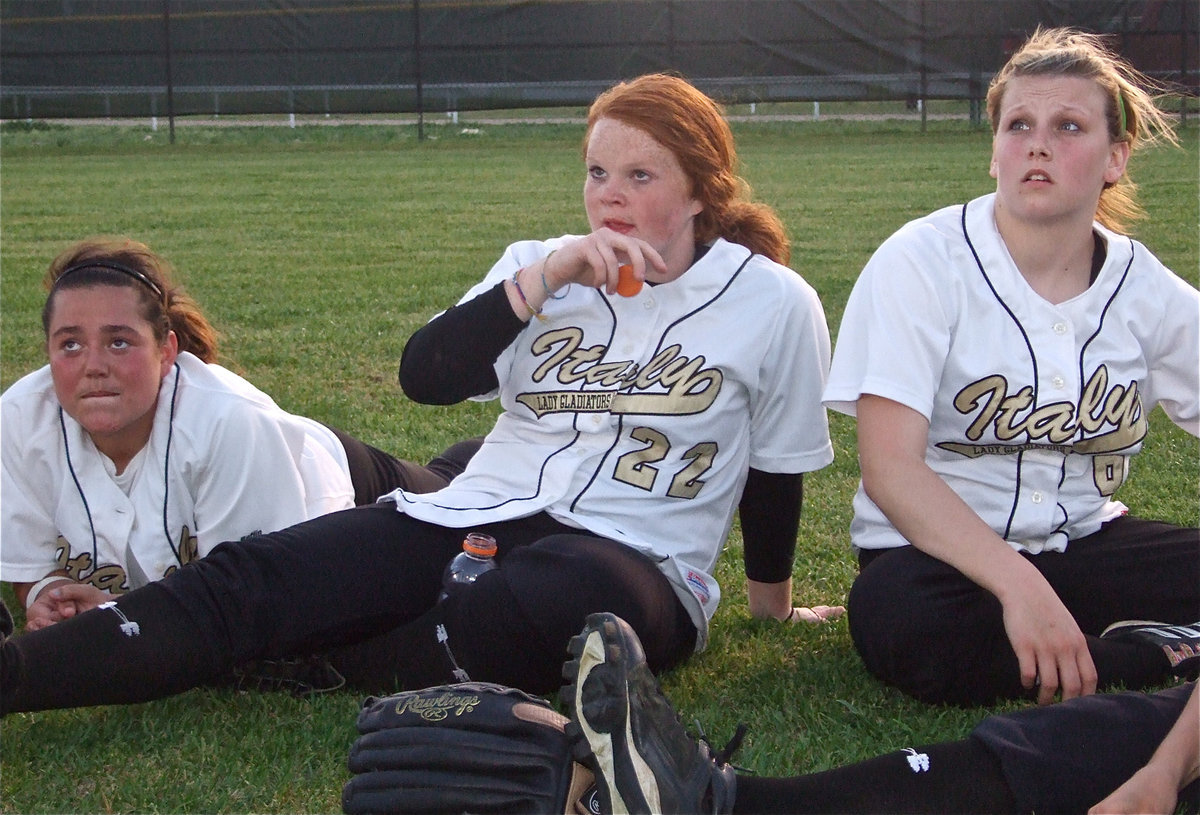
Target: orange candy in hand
627 284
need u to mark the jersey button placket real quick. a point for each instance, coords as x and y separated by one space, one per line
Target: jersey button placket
1061 352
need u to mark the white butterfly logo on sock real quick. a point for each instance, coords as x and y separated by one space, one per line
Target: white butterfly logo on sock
918 761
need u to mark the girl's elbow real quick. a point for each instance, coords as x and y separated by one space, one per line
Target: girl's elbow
879 477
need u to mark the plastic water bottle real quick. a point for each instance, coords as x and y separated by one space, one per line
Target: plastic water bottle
478 556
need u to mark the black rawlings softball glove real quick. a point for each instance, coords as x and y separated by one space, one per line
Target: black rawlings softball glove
472 747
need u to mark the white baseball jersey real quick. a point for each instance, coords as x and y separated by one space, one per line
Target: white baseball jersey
636 418
223 460
1034 408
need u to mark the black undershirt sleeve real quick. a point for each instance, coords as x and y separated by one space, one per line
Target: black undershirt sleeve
770 518
452 356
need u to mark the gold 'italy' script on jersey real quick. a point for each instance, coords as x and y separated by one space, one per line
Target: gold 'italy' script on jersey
112 577
1112 416
690 387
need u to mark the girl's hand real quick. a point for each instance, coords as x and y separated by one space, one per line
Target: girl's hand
1051 649
816 614
773 601
61 601
595 260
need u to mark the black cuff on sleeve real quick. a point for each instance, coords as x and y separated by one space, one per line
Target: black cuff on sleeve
770 519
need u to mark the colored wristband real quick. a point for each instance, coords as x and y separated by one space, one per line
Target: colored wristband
521 293
546 286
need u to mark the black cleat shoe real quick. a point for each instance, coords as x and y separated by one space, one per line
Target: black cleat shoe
303 676
1179 643
625 730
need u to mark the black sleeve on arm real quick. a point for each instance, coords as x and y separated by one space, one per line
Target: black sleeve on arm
450 358
770 517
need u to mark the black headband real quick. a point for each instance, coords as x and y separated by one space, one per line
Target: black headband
116 267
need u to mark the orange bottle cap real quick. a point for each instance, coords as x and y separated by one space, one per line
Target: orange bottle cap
478 544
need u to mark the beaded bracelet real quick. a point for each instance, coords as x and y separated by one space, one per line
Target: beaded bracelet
521 293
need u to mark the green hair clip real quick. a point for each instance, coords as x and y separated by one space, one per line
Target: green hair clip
1121 111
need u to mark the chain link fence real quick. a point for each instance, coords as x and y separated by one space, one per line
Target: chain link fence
158 58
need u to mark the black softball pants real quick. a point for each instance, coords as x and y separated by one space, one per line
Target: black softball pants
922 626
361 584
374 473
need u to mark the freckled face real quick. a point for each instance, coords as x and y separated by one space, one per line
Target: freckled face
107 364
635 186
1051 155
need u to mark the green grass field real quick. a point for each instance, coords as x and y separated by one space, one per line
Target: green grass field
318 250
